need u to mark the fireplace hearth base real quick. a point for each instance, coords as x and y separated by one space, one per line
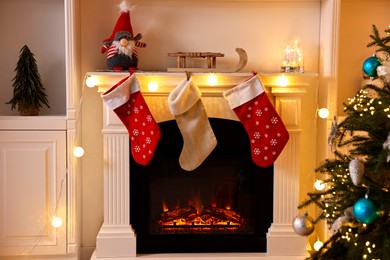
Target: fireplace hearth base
204 256
117 240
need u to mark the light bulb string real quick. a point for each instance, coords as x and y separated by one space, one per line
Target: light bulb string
27 250
59 194
77 140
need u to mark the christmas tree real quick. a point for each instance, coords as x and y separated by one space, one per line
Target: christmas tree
356 200
29 93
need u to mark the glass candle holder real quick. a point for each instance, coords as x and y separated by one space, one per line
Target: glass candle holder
292 60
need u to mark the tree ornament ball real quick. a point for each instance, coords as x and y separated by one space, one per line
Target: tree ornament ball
370 65
366 211
339 222
303 225
356 171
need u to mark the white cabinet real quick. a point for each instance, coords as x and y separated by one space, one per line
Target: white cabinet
38 174
32 191
35 186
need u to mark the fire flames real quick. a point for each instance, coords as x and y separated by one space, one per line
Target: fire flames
195 218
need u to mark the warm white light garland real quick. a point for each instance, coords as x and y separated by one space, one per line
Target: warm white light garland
78 151
153 86
323 113
319 185
91 81
318 244
282 81
212 80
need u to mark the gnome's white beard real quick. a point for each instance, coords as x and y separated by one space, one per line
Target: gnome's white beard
127 50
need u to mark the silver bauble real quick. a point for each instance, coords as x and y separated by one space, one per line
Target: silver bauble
356 171
303 225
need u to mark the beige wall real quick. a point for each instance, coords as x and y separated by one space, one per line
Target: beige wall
355 27
40 26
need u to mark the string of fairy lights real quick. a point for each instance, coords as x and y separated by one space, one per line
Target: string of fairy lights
364 104
56 220
78 152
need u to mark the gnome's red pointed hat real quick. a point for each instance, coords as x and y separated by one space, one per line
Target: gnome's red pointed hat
123 24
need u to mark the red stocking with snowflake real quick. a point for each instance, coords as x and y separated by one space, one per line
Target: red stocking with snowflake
267 133
126 99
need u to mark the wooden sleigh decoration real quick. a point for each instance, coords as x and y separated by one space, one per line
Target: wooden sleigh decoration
211 57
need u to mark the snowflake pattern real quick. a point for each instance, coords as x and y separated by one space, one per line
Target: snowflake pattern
256 151
266 130
144 132
142 123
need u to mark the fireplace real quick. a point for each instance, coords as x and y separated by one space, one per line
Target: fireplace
121 235
225 205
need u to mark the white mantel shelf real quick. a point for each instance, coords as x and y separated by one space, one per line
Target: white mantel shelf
116 239
297 82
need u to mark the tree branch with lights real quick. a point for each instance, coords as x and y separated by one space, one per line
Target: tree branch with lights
356 200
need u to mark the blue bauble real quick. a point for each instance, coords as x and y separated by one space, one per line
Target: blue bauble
370 65
366 211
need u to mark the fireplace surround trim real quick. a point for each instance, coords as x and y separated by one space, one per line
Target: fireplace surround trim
116 239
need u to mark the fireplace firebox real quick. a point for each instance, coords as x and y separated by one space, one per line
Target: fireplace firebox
225 205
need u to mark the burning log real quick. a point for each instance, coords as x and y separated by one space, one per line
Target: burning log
187 218
187 213
221 214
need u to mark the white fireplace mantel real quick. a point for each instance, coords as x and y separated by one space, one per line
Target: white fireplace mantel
116 238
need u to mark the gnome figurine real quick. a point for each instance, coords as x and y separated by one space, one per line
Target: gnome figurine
121 46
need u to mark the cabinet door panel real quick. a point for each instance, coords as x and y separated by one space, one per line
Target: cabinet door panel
32 190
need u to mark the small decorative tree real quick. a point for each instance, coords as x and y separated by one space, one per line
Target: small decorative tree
29 93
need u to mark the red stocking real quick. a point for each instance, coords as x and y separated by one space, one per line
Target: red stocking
126 100
265 128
